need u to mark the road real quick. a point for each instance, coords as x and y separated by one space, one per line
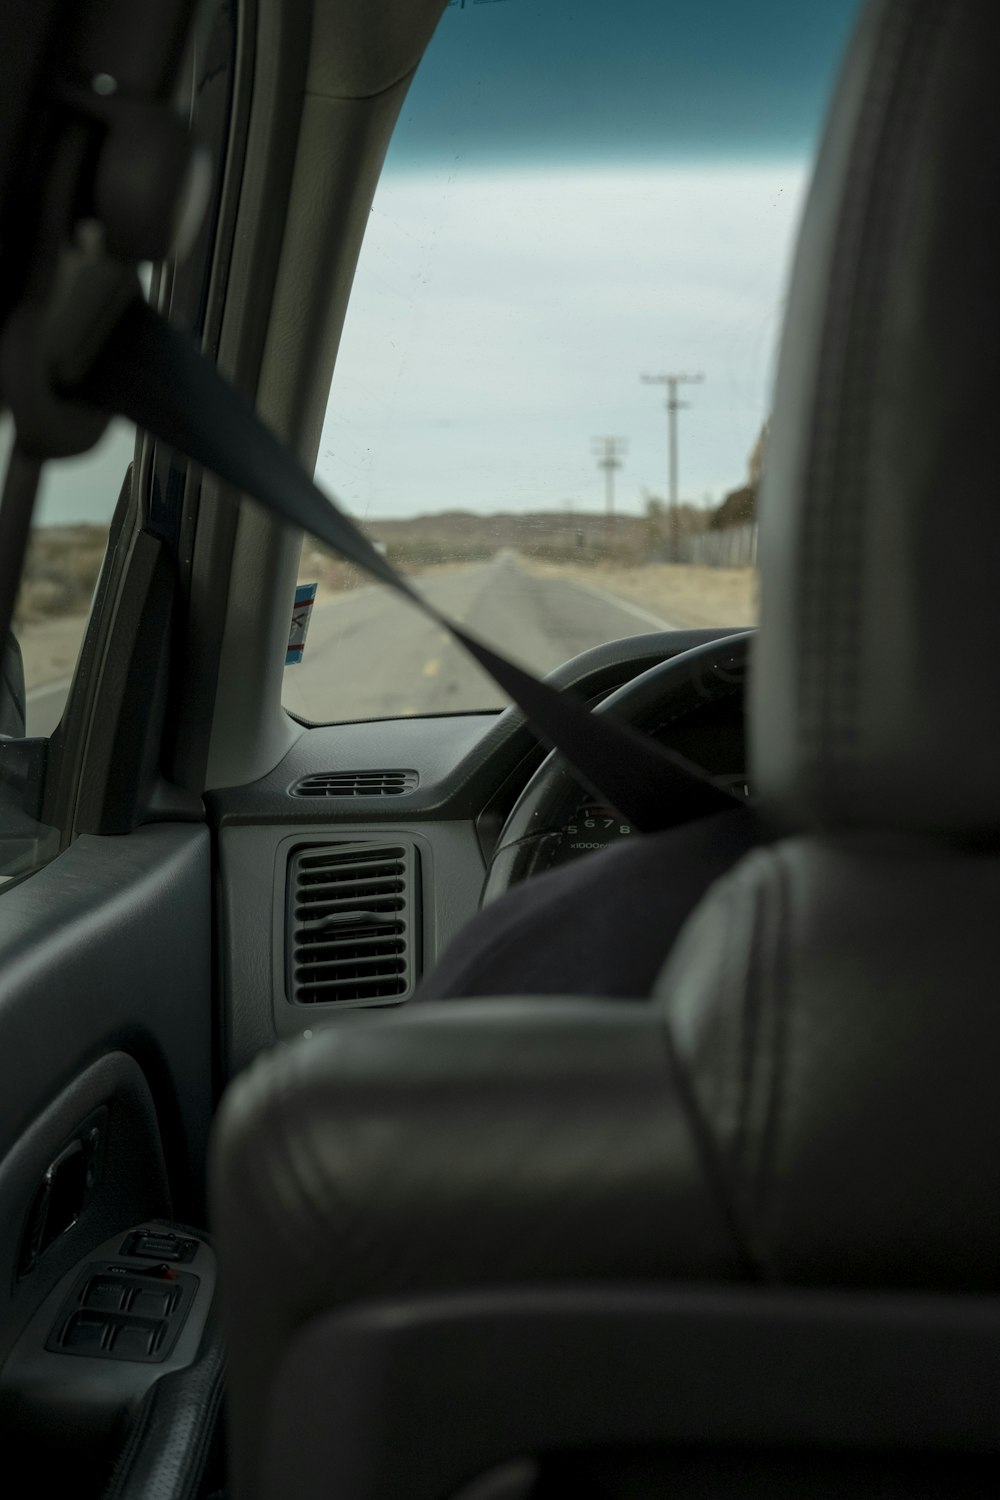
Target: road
369 655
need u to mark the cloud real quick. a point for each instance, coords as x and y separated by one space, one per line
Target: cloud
501 320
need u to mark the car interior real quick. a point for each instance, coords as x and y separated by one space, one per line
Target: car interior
277 1217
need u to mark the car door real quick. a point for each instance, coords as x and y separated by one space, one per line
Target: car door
106 1085
108 1064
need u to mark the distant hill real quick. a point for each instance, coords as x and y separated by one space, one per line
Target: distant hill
63 561
551 535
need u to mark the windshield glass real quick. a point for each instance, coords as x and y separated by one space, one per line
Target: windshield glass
551 398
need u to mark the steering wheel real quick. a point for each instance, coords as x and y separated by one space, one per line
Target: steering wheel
533 833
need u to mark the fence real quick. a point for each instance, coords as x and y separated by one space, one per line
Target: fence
732 547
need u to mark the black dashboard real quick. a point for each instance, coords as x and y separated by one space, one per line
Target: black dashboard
354 863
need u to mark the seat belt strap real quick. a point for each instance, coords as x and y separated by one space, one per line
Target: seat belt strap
150 373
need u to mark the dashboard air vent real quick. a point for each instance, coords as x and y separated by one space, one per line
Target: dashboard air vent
352 911
356 784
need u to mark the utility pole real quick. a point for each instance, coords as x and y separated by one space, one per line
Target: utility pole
608 452
673 407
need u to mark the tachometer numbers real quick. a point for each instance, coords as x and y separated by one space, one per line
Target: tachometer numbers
595 821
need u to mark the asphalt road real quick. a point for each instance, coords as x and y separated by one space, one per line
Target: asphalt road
370 655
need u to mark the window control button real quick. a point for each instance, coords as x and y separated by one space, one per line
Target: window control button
125 1312
146 1304
106 1293
136 1340
86 1331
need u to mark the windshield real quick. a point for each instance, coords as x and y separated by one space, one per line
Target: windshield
551 398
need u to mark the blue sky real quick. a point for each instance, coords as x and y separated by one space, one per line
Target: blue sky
595 80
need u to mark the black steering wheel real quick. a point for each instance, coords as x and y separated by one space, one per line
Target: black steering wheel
533 833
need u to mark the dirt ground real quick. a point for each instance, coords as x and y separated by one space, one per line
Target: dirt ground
685 595
49 648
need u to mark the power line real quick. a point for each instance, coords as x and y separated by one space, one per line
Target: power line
673 405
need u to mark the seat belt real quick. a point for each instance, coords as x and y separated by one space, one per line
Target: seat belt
150 373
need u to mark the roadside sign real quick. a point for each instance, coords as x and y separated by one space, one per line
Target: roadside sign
305 598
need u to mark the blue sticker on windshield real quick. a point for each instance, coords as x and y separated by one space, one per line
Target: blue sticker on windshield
305 598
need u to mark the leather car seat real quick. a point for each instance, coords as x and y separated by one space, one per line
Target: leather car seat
810 1098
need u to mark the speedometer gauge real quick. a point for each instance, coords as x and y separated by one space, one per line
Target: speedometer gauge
591 825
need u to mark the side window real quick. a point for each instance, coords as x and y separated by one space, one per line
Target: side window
65 551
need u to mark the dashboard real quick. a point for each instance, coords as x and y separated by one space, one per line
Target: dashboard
346 872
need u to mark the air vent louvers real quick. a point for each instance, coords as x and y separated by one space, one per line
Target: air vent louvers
351 923
356 784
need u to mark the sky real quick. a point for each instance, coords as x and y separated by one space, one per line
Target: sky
524 80
578 191
495 335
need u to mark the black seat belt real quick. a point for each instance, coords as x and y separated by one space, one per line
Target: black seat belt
149 373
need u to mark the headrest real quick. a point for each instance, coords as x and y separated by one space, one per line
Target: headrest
875 696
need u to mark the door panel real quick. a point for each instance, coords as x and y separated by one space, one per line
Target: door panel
105 1023
90 1166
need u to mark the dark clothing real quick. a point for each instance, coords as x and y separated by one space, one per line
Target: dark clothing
601 926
